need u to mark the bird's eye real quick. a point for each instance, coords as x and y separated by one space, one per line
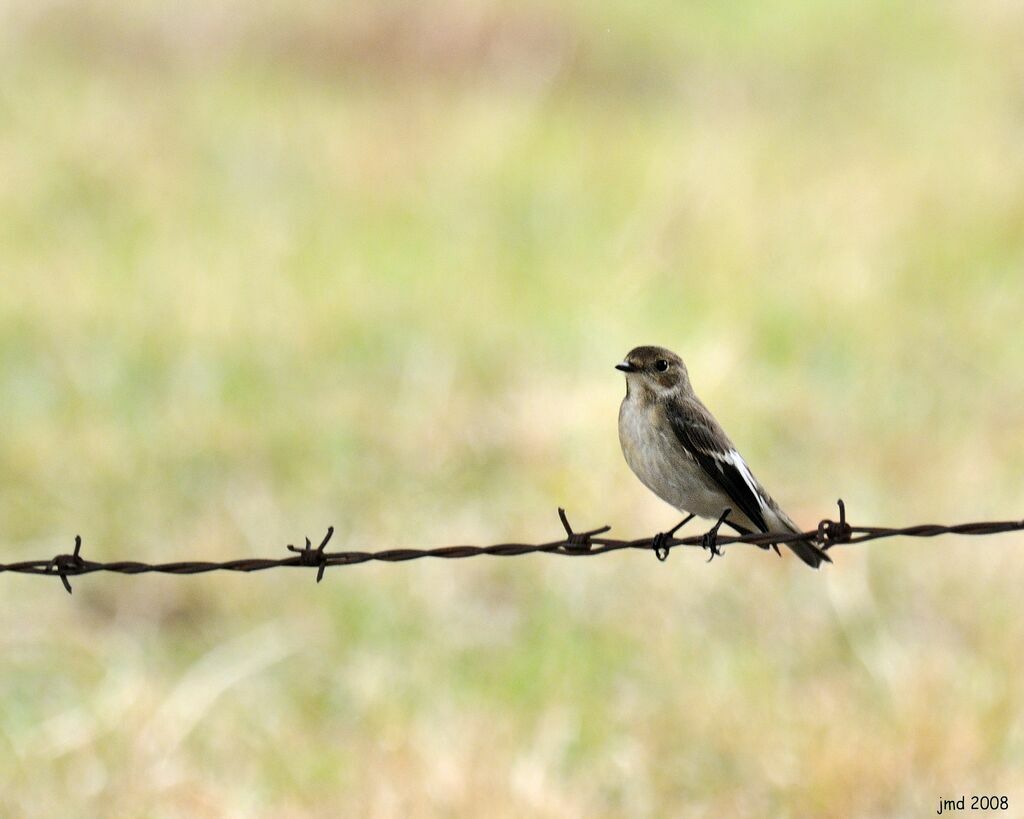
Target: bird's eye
661 365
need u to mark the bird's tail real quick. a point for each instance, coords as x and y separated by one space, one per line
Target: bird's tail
807 550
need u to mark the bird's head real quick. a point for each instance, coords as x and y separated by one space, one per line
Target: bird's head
654 370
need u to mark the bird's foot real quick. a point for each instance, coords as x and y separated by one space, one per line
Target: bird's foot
662 541
710 539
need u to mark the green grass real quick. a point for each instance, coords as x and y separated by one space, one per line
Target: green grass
278 267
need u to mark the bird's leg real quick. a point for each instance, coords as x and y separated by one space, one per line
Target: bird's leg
660 542
710 539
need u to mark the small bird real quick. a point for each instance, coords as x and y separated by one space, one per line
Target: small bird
681 453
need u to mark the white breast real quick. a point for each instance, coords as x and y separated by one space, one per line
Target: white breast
662 464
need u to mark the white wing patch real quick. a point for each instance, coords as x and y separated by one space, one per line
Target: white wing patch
733 457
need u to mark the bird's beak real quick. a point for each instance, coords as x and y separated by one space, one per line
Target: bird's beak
625 366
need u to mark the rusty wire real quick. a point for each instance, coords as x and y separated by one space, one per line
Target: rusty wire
828 534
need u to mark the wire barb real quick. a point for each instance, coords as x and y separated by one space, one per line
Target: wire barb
314 557
578 542
68 563
831 532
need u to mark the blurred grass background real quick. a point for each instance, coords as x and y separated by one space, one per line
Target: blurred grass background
267 267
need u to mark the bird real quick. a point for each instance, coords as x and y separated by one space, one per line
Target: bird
679 451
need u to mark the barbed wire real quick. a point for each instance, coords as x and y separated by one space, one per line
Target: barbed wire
828 535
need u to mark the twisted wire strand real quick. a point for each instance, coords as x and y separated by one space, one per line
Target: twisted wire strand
828 535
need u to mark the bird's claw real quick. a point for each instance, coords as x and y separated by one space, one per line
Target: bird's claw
710 539
710 542
662 542
660 545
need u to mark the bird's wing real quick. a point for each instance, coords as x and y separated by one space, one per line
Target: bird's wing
706 442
